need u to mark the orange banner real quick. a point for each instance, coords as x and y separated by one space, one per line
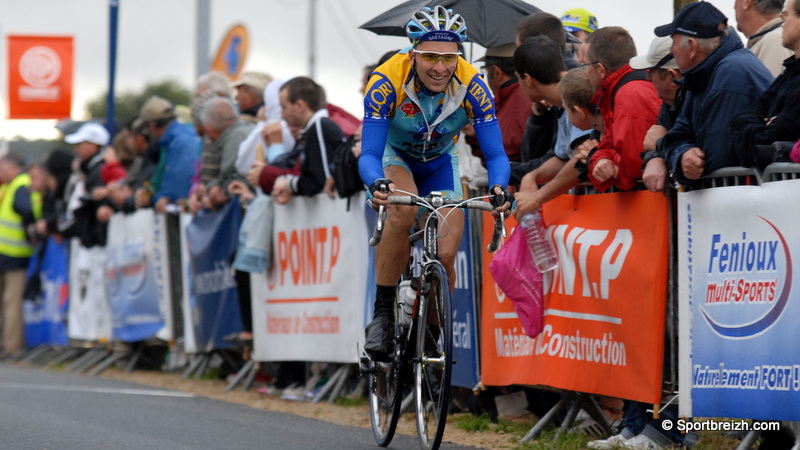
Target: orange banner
39 77
605 304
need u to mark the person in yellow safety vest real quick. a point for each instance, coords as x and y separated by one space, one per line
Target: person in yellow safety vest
19 208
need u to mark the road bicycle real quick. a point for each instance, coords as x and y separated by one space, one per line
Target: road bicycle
423 350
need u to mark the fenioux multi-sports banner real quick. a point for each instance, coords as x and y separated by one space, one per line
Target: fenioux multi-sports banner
39 77
137 282
605 304
309 306
736 288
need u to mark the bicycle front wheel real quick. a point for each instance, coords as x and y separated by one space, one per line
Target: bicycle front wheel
434 357
385 397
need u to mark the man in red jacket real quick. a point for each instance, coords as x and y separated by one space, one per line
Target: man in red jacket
629 106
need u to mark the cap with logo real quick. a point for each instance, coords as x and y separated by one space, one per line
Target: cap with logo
700 20
658 57
157 108
89 132
579 19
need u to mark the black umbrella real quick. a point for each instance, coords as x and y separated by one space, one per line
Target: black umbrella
489 22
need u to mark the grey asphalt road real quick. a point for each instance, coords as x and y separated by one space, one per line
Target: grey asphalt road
50 410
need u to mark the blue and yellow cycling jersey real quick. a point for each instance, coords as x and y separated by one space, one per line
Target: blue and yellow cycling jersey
402 115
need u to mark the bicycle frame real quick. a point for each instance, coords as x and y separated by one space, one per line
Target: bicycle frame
426 344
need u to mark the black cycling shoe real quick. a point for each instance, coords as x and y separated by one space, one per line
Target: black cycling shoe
379 345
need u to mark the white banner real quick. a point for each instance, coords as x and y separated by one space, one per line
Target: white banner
738 323
89 315
137 276
310 304
189 341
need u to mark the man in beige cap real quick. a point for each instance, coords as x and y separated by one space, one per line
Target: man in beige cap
662 71
511 104
179 145
250 93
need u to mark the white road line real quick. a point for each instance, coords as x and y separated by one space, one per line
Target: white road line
97 390
582 316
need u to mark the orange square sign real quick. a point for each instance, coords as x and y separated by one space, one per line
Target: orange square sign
39 77
605 304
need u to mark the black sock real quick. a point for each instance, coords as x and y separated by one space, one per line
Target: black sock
384 301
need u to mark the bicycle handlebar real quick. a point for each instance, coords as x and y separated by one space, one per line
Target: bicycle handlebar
435 203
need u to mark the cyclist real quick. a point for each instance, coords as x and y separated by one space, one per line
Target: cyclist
415 105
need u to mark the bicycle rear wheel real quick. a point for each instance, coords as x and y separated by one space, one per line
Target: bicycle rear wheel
385 397
434 357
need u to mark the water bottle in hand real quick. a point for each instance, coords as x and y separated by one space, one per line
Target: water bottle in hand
542 250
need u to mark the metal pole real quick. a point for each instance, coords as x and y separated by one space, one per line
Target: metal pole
203 56
112 63
312 38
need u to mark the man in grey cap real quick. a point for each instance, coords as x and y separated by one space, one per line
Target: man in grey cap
179 145
721 79
663 72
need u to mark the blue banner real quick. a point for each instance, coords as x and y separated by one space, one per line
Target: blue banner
213 239
737 291
134 275
44 315
371 217
465 337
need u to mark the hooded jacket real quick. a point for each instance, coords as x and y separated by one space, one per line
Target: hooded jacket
717 89
180 147
627 118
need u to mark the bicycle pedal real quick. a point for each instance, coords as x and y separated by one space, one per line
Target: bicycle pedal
366 365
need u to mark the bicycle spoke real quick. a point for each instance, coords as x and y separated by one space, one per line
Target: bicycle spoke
384 400
433 360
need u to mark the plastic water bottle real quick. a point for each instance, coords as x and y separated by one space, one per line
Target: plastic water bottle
542 250
405 300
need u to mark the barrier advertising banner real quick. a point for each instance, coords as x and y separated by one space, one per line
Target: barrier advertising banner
45 315
137 276
39 77
605 304
465 335
736 246
187 302
309 306
212 240
89 314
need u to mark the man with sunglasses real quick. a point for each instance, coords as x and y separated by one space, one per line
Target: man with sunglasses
415 105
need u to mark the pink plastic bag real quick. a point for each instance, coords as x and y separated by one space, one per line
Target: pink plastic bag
795 153
515 273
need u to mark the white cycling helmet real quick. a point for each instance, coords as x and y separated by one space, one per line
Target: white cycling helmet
437 24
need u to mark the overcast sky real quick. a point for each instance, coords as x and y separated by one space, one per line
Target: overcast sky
156 40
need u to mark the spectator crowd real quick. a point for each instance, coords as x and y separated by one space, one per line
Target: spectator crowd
577 107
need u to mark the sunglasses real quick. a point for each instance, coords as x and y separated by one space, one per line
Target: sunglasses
433 57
